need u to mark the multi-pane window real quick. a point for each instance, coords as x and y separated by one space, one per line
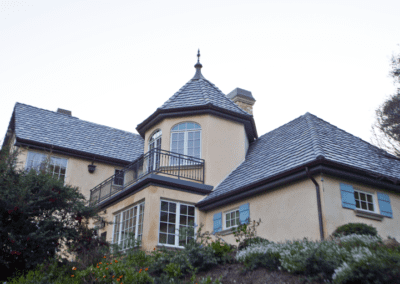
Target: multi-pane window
128 222
185 139
57 167
232 219
154 143
176 223
119 177
364 201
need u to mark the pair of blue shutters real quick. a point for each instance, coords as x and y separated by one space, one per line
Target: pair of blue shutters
244 215
348 200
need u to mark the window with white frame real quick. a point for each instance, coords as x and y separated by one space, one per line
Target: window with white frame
57 167
129 221
119 177
364 200
232 219
176 223
185 139
155 143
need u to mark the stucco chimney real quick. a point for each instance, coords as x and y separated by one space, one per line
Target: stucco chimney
64 111
243 99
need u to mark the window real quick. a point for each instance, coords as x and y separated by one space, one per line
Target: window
126 222
364 201
175 217
154 143
57 166
185 139
232 219
119 177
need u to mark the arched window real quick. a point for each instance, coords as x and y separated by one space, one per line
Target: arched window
155 140
154 143
185 139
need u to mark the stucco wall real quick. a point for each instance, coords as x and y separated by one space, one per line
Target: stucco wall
223 145
336 215
289 212
77 173
151 196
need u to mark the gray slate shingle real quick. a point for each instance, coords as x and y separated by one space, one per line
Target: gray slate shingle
200 92
65 131
299 142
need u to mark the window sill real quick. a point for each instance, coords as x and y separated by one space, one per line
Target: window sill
226 232
170 247
369 215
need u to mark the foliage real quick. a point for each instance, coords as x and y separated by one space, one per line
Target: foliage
208 280
38 214
355 228
220 249
244 233
386 129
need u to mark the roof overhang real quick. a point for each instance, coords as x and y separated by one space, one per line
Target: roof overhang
161 114
321 166
69 152
156 180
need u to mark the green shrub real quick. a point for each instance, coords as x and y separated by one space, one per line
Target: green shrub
269 260
355 228
220 249
320 265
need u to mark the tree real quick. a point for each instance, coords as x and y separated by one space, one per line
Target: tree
386 129
37 214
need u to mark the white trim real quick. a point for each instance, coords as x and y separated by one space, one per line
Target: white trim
224 219
185 138
373 201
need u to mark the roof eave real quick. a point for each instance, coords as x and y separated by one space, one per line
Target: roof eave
161 114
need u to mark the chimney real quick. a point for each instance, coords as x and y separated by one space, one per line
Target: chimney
64 111
243 99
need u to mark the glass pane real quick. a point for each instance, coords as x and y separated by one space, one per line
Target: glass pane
130 222
163 238
197 135
237 214
164 217
191 210
363 205
171 229
196 126
182 242
174 146
164 206
196 152
362 197
357 204
356 195
171 239
171 218
190 125
174 136
227 224
172 207
182 126
62 171
163 227
180 144
181 136
197 143
62 177
369 198
175 127
184 209
191 221
190 143
183 220
190 135
370 206
51 168
142 209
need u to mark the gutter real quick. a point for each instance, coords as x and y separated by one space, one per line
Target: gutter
321 225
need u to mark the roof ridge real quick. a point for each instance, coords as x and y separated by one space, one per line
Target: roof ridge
319 153
235 105
74 117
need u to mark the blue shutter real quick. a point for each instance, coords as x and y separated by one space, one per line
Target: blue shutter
244 212
384 205
348 200
217 222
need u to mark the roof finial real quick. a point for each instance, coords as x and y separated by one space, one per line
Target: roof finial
198 67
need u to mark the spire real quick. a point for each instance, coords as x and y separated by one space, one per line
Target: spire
198 67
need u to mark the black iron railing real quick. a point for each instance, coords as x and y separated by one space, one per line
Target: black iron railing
155 161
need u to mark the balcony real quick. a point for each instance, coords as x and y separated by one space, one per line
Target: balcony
156 161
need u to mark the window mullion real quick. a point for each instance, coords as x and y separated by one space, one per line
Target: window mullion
185 143
178 216
137 220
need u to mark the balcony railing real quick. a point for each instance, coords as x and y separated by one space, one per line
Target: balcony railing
155 161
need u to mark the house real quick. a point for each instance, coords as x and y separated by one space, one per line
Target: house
198 159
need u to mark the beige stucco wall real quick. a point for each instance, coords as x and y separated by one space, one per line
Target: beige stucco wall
77 173
336 215
151 196
223 143
288 212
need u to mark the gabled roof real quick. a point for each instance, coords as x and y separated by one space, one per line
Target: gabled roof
299 143
43 127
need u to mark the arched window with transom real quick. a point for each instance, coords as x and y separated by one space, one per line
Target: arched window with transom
185 139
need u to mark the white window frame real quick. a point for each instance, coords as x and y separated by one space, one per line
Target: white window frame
47 156
177 218
185 139
225 219
123 178
373 200
119 224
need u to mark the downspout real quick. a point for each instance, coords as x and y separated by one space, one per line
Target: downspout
321 226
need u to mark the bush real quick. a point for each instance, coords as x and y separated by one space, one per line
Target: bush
269 260
253 241
355 228
220 249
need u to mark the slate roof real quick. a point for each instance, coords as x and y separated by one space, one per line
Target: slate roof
44 126
200 92
299 142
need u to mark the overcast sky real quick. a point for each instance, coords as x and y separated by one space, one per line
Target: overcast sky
114 62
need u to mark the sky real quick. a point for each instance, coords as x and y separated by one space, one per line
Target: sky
114 62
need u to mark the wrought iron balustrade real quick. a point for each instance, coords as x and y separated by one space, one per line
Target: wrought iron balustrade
155 161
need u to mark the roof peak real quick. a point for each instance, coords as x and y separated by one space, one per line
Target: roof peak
198 67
